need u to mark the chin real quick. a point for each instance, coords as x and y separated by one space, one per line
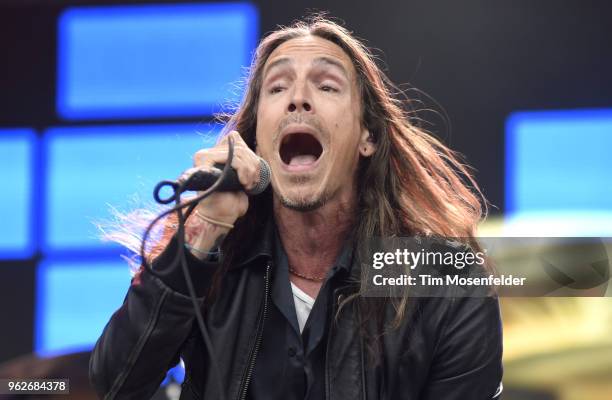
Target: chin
302 202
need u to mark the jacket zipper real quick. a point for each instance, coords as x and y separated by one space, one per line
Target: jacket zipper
335 298
249 373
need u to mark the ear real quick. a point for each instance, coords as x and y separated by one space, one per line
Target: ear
367 145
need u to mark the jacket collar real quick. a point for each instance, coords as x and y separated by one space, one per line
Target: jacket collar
263 247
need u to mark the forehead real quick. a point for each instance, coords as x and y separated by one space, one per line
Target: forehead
308 48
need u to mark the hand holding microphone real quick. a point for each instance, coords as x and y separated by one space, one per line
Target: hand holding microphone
216 214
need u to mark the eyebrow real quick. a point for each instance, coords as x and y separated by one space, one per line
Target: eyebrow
316 62
277 63
331 61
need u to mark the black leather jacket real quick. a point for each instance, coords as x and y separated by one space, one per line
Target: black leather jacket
449 349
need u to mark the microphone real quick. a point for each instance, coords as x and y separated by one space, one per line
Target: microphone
201 180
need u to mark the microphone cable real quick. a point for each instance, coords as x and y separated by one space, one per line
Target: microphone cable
180 257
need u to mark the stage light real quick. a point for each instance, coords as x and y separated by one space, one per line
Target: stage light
17 165
143 61
74 301
91 169
559 173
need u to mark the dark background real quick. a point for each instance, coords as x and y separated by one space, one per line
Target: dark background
473 62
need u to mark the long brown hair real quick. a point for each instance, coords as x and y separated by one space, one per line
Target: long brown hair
412 185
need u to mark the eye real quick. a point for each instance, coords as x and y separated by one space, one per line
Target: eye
328 88
276 89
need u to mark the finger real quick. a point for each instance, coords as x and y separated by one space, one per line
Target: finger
243 204
243 153
245 161
247 174
203 157
237 137
251 163
199 158
238 140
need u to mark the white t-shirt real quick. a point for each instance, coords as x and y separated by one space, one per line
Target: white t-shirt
303 305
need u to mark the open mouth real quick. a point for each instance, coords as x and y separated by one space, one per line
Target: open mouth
300 149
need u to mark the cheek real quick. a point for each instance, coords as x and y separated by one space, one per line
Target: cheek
263 142
264 134
345 148
348 115
346 131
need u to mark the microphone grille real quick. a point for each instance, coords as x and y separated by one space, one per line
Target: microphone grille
264 178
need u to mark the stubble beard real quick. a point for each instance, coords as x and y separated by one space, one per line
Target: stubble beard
304 204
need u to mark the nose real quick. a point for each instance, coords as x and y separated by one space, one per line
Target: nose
305 106
299 101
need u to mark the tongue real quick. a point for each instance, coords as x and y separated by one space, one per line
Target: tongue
303 159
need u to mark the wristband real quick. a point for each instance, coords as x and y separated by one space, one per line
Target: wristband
213 221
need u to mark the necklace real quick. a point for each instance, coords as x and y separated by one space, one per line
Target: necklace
308 278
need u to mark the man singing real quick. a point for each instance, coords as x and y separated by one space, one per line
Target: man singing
283 306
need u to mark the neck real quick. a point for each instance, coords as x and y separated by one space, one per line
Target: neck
313 239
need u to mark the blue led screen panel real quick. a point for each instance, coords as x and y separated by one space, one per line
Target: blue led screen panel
74 301
559 161
17 160
91 169
143 61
